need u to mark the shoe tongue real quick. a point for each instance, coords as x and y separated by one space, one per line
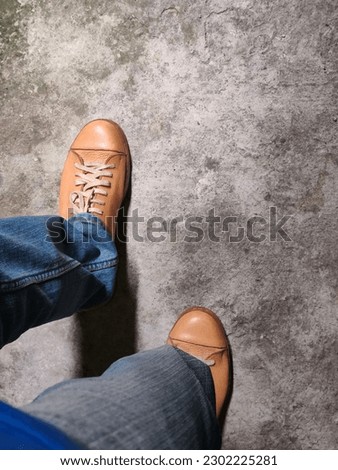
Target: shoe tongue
97 156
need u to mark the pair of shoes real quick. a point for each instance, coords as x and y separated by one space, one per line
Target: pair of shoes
95 180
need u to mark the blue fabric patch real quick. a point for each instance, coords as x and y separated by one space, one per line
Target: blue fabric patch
19 431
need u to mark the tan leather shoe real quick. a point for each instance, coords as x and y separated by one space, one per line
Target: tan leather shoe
199 332
96 173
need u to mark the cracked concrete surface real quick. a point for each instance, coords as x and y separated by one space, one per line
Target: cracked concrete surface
226 105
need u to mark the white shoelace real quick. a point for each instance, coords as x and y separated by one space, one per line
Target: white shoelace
90 178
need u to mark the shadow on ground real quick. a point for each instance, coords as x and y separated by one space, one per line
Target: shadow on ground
108 333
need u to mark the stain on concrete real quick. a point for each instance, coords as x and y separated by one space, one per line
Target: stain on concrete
314 199
211 164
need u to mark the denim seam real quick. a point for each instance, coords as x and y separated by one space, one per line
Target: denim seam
39 277
9 286
101 265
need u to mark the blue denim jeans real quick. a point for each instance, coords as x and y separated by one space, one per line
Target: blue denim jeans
157 399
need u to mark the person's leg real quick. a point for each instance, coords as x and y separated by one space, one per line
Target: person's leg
165 398
50 268
157 399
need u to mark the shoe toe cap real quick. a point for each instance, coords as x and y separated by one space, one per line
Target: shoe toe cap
101 134
200 326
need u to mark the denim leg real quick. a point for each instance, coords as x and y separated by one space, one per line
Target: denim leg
50 268
157 399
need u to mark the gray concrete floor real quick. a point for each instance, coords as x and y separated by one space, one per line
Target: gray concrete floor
226 105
